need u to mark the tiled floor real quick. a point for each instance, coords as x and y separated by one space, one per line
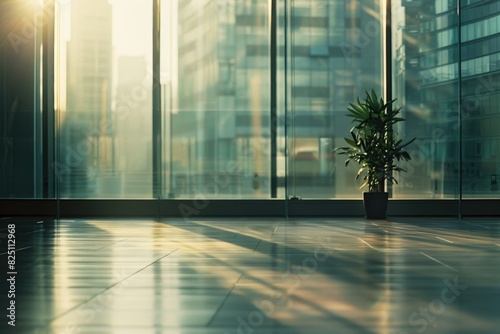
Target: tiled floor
237 276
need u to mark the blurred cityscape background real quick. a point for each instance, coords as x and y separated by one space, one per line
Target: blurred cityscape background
216 134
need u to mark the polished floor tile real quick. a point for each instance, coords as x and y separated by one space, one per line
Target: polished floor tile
253 276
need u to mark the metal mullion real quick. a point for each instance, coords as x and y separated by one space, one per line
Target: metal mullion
156 106
273 24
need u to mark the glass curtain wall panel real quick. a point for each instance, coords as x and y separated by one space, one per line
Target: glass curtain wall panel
336 54
215 99
103 98
425 76
215 85
283 97
480 88
21 171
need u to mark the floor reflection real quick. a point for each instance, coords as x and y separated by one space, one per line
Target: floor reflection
256 275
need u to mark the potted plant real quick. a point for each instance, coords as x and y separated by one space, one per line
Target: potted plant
375 146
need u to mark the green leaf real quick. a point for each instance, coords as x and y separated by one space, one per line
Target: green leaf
350 142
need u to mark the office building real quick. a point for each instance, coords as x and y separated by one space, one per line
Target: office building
224 71
427 61
85 118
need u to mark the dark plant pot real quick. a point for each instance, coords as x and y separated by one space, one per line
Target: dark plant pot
375 205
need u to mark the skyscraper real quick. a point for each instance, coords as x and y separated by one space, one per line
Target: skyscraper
132 150
87 123
446 75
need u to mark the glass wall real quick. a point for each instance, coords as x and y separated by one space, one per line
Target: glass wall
445 75
336 55
480 96
214 131
21 169
104 98
425 57
216 98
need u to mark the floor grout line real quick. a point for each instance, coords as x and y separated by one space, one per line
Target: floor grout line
366 243
257 246
112 244
444 264
224 301
486 227
17 249
451 242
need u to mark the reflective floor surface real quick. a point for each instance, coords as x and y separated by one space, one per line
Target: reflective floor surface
251 276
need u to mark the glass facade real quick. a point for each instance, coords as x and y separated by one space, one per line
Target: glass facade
335 55
446 78
104 99
218 109
217 97
425 57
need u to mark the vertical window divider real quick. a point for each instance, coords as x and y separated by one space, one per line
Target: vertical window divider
47 91
285 99
273 98
49 125
387 67
156 108
54 123
459 110
37 105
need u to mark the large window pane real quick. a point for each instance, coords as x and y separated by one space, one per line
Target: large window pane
425 83
21 171
336 54
104 60
215 83
480 100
